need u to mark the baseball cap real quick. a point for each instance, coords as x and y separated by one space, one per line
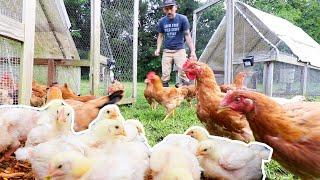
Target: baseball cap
169 3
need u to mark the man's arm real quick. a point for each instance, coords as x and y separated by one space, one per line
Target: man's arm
159 43
187 35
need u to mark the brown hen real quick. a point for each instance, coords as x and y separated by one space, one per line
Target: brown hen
238 83
228 123
292 130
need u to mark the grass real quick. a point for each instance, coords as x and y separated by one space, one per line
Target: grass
184 118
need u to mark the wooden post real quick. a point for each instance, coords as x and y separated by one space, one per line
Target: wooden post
269 82
305 80
265 76
229 42
135 48
51 72
95 46
26 63
194 29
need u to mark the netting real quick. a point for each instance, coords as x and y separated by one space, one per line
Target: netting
313 85
207 22
254 78
12 9
117 42
287 79
10 54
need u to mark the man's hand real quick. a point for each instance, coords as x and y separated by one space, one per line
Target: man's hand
157 52
193 56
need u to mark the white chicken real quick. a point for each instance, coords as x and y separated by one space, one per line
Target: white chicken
171 162
232 159
17 121
135 131
61 125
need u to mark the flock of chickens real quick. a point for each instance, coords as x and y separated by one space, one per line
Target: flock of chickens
84 137
290 126
115 148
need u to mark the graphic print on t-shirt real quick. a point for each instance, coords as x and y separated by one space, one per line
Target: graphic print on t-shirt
171 30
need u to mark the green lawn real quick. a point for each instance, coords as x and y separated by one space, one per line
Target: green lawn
183 119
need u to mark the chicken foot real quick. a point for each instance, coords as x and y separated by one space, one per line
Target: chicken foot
9 152
169 114
11 175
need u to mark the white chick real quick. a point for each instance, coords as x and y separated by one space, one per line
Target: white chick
104 133
50 110
39 156
180 140
61 125
229 160
15 124
73 165
172 162
135 130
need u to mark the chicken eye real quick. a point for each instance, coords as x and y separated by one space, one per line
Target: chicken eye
60 166
237 100
68 114
205 150
191 132
117 127
108 111
57 111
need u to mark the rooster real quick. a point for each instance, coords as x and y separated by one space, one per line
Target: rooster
237 84
228 123
292 130
169 97
67 93
148 94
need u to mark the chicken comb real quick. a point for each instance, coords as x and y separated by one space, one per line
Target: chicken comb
150 74
186 64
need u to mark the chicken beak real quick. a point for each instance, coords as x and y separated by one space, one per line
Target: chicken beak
53 173
114 115
199 153
123 133
61 116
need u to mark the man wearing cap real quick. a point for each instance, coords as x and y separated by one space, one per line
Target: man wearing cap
173 29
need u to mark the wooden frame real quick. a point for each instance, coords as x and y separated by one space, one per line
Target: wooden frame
26 65
95 46
135 48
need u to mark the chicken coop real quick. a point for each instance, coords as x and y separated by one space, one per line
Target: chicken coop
280 58
61 41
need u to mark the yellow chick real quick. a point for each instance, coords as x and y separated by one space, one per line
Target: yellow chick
229 160
102 132
50 111
68 165
197 132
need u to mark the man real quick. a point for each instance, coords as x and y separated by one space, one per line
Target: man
173 29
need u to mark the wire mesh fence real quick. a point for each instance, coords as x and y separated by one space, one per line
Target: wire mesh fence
287 79
313 85
254 78
117 42
12 9
10 54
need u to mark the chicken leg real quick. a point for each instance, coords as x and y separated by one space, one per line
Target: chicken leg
171 112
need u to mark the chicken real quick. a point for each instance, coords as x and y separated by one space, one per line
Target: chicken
230 159
60 125
88 111
238 83
15 124
39 156
169 97
53 93
172 162
5 99
135 131
148 94
115 86
191 93
7 82
67 93
197 132
227 123
292 130
39 93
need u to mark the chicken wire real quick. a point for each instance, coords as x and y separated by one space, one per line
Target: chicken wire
313 85
206 24
12 9
254 78
287 80
117 42
10 54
